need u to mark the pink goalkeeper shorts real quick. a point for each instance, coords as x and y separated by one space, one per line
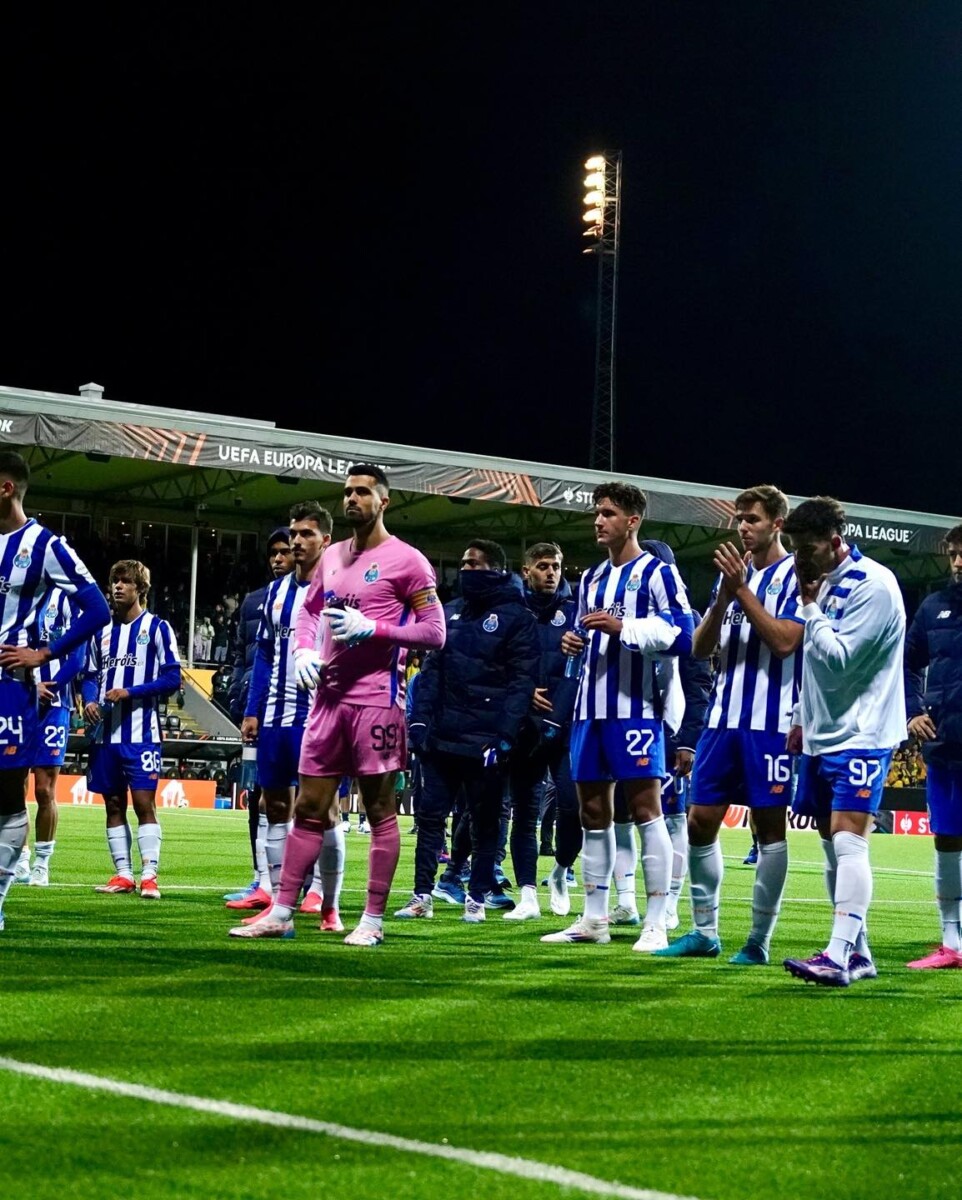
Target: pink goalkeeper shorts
352 739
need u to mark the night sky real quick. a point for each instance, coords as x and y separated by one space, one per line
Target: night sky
368 224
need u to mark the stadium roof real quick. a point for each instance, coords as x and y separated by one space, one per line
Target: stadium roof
107 458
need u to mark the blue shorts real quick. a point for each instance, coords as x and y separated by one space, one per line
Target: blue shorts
18 723
117 766
676 795
278 753
943 794
617 748
742 766
849 781
52 738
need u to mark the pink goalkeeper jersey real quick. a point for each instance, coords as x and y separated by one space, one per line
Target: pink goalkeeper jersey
394 585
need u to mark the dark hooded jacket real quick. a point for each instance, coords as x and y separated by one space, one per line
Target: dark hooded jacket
476 692
934 642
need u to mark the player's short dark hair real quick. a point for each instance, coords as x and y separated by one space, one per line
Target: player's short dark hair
629 499
820 517
281 534
953 537
135 571
494 555
310 510
15 467
373 471
774 503
542 550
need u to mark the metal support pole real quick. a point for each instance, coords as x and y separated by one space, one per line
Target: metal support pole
192 615
606 232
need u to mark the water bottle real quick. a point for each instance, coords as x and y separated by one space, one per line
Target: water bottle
96 735
574 662
248 773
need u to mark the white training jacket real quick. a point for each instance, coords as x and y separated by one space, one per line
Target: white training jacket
852 695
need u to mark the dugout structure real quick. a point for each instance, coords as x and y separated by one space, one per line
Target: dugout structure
105 460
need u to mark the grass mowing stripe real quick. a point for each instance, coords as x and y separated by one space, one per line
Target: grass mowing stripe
504 1164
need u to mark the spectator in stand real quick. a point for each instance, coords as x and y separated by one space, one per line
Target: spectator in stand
220 688
933 702
221 639
206 633
280 560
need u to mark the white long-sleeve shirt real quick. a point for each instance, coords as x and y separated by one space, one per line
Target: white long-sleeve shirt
852 696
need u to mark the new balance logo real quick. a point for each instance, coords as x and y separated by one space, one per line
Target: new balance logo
946 612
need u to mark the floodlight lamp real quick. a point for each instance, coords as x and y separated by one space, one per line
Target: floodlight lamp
593 215
595 180
595 163
594 198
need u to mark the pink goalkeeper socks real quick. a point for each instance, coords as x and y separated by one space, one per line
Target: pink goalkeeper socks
382 863
300 853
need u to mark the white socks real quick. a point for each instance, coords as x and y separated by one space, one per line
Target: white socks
260 856
767 891
148 843
118 842
853 894
626 861
678 832
706 868
274 850
329 871
656 858
597 864
948 893
13 835
43 852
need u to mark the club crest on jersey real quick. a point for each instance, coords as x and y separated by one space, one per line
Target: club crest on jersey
774 589
372 574
143 638
51 613
490 623
558 618
633 584
22 559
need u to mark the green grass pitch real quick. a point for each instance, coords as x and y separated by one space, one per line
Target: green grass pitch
692 1078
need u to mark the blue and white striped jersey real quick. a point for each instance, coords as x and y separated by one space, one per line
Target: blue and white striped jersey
53 622
286 705
616 679
142 657
755 689
32 560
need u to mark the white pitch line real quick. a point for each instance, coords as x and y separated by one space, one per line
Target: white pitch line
503 1164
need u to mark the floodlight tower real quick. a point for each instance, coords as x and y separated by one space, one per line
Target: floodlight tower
603 219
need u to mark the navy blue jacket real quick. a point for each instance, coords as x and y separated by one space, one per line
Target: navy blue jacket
555 613
934 640
245 648
476 691
696 683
